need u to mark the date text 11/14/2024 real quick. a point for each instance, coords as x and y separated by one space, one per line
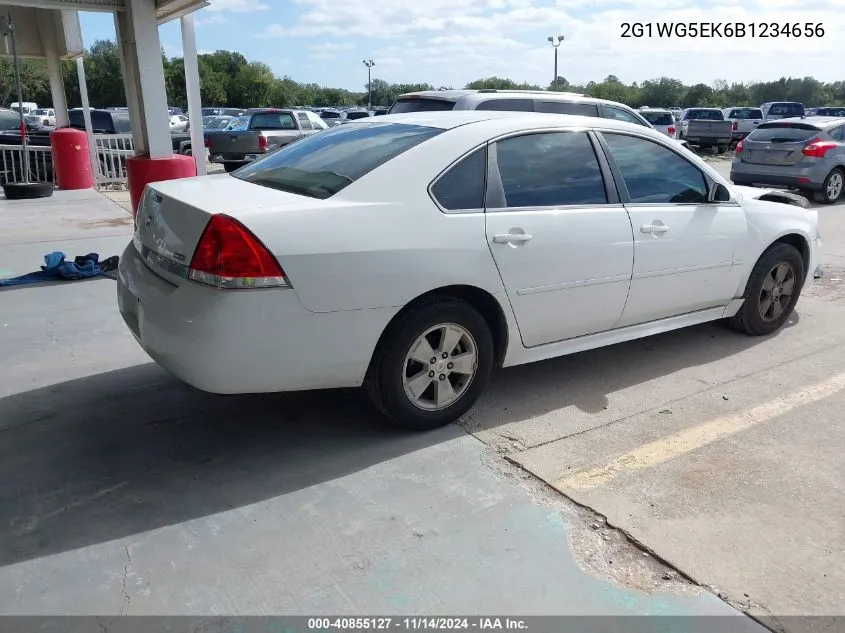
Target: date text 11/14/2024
718 30
416 624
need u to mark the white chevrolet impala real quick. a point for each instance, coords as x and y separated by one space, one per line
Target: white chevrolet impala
413 253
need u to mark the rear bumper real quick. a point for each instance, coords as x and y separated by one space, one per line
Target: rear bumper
707 140
233 158
244 341
778 180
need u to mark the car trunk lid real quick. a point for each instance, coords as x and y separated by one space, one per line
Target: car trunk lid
173 215
777 143
242 142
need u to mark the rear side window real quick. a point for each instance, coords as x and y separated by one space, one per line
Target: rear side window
658 118
746 114
462 187
783 132
507 105
837 134
548 170
304 122
272 121
320 165
567 107
414 104
654 174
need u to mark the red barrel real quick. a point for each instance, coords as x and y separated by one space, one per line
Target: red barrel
71 160
142 170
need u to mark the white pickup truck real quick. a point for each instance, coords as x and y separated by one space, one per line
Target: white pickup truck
744 120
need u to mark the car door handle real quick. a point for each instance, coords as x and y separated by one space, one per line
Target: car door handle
511 238
657 229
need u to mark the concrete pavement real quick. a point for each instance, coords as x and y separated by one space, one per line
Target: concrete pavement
127 492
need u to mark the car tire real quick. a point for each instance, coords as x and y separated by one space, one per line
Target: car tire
27 190
412 403
722 149
230 167
770 277
832 187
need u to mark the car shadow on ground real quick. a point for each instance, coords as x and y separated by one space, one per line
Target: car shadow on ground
127 451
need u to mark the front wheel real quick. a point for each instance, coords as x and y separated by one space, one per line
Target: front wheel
432 365
771 292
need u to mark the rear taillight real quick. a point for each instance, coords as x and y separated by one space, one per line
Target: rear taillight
262 143
734 126
739 146
229 256
818 148
671 131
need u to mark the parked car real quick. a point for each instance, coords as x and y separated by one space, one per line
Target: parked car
804 153
706 128
179 123
744 120
661 120
266 131
42 116
829 111
774 110
363 255
676 111
25 107
331 117
222 112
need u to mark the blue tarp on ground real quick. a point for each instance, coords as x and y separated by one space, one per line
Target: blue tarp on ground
56 268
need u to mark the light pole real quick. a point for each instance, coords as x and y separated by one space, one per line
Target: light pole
369 63
555 42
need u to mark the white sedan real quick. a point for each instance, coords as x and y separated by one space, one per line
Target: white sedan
412 253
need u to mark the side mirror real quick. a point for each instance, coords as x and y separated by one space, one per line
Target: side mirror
719 193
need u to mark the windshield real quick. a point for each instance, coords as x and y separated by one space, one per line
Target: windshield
40 112
320 165
272 121
783 132
421 104
658 118
744 114
218 123
706 115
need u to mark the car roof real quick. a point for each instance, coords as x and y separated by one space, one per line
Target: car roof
456 95
821 122
518 120
660 110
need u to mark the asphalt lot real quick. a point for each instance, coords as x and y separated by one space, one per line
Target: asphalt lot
127 492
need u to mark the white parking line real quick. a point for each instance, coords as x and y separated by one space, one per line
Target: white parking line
672 446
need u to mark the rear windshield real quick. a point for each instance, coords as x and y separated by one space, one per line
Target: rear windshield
658 118
786 109
101 122
272 121
746 113
831 112
783 132
706 115
330 115
320 165
357 115
419 104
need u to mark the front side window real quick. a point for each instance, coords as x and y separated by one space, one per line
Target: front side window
549 170
462 187
654 174
320 165
507 105
612 112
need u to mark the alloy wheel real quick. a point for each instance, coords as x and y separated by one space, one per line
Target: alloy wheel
834 186
440 366
777 291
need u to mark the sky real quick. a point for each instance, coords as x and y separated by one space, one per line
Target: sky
452 42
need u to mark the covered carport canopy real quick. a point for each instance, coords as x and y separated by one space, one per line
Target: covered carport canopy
50 29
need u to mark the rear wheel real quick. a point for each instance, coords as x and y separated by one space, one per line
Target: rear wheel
832 187
771 292
432 364
230 167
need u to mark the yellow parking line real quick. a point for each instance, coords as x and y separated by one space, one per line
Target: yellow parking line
672 446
